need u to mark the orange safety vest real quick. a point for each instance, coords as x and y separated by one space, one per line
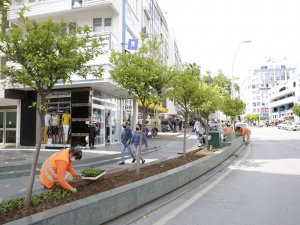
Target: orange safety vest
245 131
48 172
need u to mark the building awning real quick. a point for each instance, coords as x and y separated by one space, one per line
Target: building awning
104 85
158 107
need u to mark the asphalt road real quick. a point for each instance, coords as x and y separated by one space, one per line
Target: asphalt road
260 187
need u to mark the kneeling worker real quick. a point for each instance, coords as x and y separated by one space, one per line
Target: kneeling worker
54 168
246 132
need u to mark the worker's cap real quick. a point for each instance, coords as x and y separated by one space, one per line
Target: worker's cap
76 152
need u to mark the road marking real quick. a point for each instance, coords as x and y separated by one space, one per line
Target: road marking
22 190
193 199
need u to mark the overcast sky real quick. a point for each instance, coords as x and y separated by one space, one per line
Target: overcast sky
209 32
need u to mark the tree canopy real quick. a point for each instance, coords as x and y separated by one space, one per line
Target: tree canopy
43 53
296 109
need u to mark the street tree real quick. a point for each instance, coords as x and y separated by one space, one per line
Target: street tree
253 117
142 74
222 81
183 89
4 6
44 53
233 107
296 109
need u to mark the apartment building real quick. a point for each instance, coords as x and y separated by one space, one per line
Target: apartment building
98 99
257 88
101 100
282 99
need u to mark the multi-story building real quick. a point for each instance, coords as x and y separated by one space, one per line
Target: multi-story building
98 99
256 88
282 99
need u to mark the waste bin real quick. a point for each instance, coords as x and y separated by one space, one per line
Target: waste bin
215 138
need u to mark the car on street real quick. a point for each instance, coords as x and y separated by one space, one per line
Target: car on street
240 124
293 126
285 126
279 126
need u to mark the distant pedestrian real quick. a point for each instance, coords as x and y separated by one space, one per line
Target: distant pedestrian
180 125
92 134
135 140
154 132
126 136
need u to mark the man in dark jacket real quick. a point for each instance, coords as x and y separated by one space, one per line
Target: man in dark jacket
125 143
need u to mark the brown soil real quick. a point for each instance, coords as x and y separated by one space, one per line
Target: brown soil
112 179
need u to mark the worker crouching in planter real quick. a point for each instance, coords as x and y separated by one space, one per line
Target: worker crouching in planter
54 168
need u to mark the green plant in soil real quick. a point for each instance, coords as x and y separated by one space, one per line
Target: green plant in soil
18 203
91 172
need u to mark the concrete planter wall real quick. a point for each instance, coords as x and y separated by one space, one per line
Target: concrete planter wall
105 206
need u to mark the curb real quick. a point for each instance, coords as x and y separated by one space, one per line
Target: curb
108 205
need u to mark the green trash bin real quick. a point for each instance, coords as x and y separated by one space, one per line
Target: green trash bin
215 138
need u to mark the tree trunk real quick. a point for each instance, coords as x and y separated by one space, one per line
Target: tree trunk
27 202
206 131
184 133
139 149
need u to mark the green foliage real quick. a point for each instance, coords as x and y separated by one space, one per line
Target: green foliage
253 117
141 73
91 172
45 54
296 109
183 88
18 203
221 80
233 107
208 99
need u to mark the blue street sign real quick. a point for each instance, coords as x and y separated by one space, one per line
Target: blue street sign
133 44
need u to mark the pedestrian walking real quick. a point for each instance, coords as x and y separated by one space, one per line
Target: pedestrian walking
54 168
126 136
135 140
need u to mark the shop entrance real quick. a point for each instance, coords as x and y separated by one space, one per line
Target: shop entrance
8 127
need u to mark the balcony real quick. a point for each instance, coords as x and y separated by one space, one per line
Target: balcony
59 7
284 101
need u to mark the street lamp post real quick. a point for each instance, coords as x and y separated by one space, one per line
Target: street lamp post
233 61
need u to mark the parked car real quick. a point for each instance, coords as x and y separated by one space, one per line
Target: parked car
284 126
240 124
293 126
279 126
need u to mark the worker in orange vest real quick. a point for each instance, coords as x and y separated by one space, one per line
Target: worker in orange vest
54 168
246 132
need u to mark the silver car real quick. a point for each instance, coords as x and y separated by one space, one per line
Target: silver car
293 126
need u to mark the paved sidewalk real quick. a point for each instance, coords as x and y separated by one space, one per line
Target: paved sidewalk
159 149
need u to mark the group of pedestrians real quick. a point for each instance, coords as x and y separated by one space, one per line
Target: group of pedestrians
128 139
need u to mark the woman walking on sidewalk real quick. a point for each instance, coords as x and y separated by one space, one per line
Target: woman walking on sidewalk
136 140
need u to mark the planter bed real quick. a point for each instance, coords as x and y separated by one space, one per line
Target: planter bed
99 201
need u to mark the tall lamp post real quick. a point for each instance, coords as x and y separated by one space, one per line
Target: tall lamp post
233 61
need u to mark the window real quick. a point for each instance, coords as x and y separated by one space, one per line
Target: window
97 24
69 27
107 24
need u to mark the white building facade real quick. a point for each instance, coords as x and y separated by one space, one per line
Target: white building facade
116 21
257 88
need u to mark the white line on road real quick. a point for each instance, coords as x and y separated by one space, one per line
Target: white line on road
190 201
22 190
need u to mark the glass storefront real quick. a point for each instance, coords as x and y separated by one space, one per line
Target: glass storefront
8 125
106 109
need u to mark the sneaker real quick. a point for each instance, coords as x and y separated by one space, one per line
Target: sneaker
143 161
133 160
121 163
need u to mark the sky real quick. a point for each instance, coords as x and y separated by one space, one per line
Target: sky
210 33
